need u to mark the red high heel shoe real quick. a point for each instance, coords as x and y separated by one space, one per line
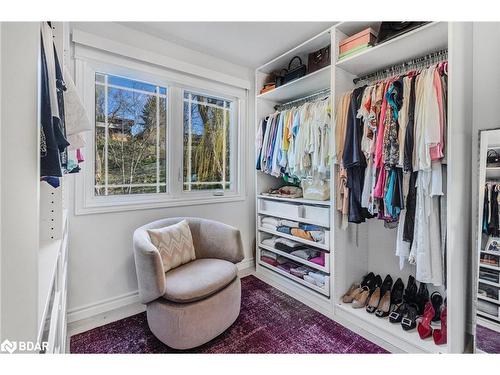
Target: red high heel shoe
424 327
439 335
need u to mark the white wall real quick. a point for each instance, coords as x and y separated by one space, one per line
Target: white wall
101 260
19 177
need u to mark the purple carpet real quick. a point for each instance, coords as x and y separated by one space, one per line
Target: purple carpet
487 340
270 322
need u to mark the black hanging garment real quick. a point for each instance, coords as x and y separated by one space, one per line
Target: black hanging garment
486 210
354 160
411 204
409 139
59 123
55 142
493 229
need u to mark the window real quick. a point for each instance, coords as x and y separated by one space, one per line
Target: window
207 142
130 136
160 139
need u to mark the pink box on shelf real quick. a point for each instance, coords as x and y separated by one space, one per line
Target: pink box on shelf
367 36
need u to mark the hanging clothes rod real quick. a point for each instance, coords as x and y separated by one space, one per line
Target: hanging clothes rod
394 70
316 95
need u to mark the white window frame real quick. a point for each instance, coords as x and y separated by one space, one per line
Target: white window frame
89 61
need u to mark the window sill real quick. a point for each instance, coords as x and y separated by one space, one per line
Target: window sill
100 207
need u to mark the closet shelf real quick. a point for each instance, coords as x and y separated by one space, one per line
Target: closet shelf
294 218
486 315
489 267
313 44
426 39
411 337
488 299
297 200
487 282
324 291
48 257
296 239
297 259
493 172
309 84
496 253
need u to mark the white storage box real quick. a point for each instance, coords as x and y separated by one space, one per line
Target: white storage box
318 214
283 208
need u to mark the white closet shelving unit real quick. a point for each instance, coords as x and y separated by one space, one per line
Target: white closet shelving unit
53 251
283 208
369 246
486 305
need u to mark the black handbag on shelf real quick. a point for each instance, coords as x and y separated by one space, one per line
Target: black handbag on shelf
296 72
492 159
390 30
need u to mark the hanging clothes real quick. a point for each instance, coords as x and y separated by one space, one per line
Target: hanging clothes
390 145
295 142
53 155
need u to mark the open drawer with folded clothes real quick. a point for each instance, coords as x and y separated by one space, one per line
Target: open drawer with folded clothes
308 232
307 275
295 251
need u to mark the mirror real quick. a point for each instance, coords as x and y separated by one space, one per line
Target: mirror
487 270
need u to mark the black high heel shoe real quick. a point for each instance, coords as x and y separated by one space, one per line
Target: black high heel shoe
409 296
367 279
396 298
410 291
421 298
384 304
409 320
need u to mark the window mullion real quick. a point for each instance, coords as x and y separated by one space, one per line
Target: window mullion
106 135
224 147
189 173
157 139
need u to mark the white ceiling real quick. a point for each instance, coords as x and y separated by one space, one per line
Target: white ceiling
249 44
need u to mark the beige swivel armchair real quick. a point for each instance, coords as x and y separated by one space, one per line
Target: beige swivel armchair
193 303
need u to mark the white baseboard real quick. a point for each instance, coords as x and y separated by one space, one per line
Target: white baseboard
94 315
245 264
94 309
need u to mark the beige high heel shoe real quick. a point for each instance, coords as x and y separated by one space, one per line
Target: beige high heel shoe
361 298
351 293
374 301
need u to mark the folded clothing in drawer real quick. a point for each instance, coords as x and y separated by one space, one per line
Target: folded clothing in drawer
487 307
283 244
489 275
305 254
488 291
273 223
491 260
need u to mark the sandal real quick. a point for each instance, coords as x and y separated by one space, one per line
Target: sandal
371 284
351 293
361 298
422 298
437 301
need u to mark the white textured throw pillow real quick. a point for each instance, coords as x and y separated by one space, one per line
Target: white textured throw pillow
174 243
